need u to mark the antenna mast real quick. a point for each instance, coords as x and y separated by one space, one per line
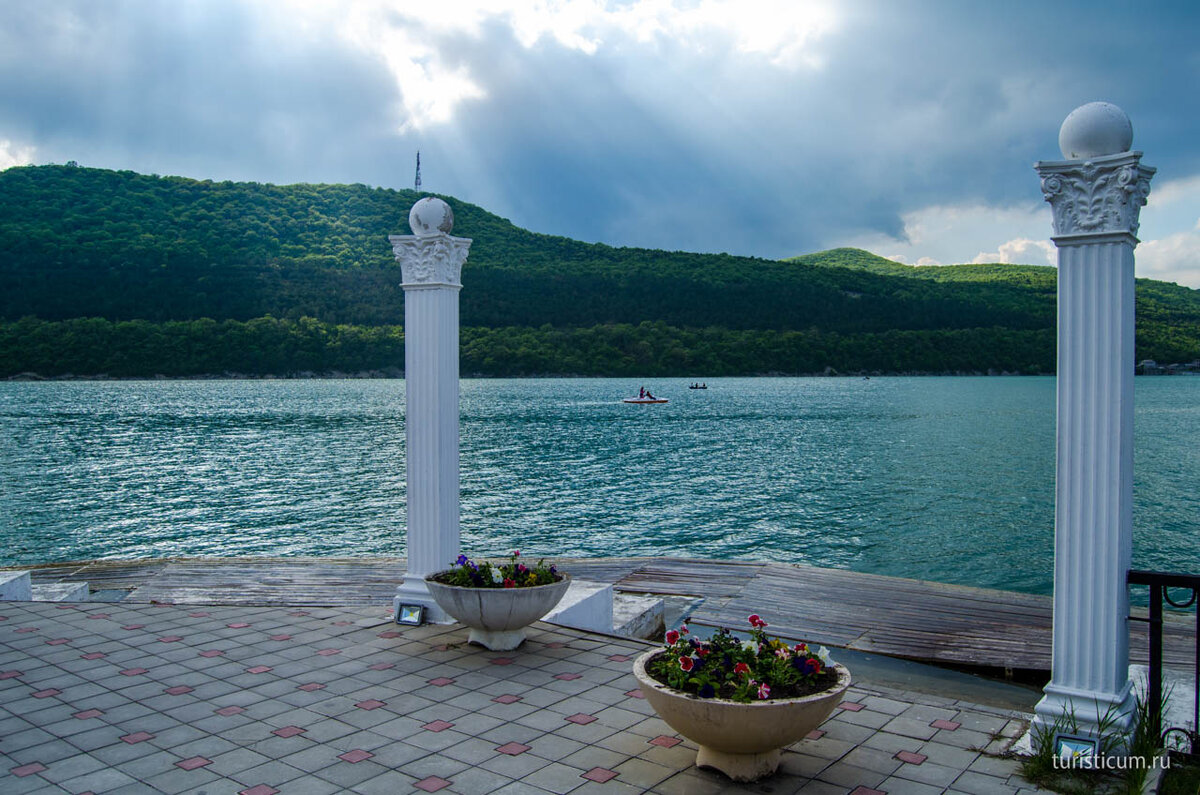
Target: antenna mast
417 181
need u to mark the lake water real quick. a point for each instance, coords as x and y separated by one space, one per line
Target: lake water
947 479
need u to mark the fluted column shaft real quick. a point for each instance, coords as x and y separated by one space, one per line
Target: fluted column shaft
431 267
1095 210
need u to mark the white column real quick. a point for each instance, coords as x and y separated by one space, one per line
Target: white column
1096 197
431 263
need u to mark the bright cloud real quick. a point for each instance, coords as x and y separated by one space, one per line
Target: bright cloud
1020 250
407 40
12 154
1175 258
1170 233
948 234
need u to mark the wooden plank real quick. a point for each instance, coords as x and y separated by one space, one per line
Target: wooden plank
833 607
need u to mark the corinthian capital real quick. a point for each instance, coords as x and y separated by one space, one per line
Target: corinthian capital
432 259
1096 196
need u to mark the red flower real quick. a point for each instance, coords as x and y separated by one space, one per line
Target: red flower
510 583
685 663
813 665
516 553
702 652
757 622
764 690
683 630
672 637
741 668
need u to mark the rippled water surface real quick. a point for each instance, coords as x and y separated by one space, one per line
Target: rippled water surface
947 479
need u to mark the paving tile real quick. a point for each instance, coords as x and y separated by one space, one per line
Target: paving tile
910 727
929 773
600 775
72 767
872 759
981 784
515 766
557 778
850 776
477 781
901 786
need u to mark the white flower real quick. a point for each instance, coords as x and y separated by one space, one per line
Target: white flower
497 577
823 656
750 646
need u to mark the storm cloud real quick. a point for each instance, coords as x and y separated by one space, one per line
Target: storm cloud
758 128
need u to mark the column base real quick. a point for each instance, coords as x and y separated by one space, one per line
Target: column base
413 591
1088 712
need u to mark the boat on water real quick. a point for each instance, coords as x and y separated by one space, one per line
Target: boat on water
698 386
644 397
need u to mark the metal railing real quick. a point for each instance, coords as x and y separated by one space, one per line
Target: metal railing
1160 584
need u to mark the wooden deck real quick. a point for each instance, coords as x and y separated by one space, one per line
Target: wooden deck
887 615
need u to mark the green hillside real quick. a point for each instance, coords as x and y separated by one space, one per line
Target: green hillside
127 274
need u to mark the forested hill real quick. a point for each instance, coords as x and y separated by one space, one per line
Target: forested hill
179 276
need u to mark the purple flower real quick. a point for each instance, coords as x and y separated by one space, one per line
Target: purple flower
707 691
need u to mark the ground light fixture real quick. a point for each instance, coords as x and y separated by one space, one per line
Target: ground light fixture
410 615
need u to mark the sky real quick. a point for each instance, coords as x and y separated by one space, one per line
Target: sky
766 128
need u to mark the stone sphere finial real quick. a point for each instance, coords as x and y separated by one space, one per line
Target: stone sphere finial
1094 130
430 216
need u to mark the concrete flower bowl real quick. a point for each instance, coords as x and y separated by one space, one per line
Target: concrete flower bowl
743 741
497 616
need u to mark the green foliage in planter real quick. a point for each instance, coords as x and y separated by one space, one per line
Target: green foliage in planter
466 573
725 667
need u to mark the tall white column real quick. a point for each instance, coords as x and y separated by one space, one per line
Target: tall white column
1096 196
431 263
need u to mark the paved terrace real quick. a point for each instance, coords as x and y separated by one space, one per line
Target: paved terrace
143 698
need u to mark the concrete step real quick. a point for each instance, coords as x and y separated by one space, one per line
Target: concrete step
15 586
594 606
637 616
586 605
60 592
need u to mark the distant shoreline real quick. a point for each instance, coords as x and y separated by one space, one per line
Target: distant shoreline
399 376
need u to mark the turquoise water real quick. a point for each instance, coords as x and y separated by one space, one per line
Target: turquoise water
947 479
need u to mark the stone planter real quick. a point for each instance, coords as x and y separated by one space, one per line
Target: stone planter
743 741
497 616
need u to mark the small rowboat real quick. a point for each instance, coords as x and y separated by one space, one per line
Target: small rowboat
644 401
